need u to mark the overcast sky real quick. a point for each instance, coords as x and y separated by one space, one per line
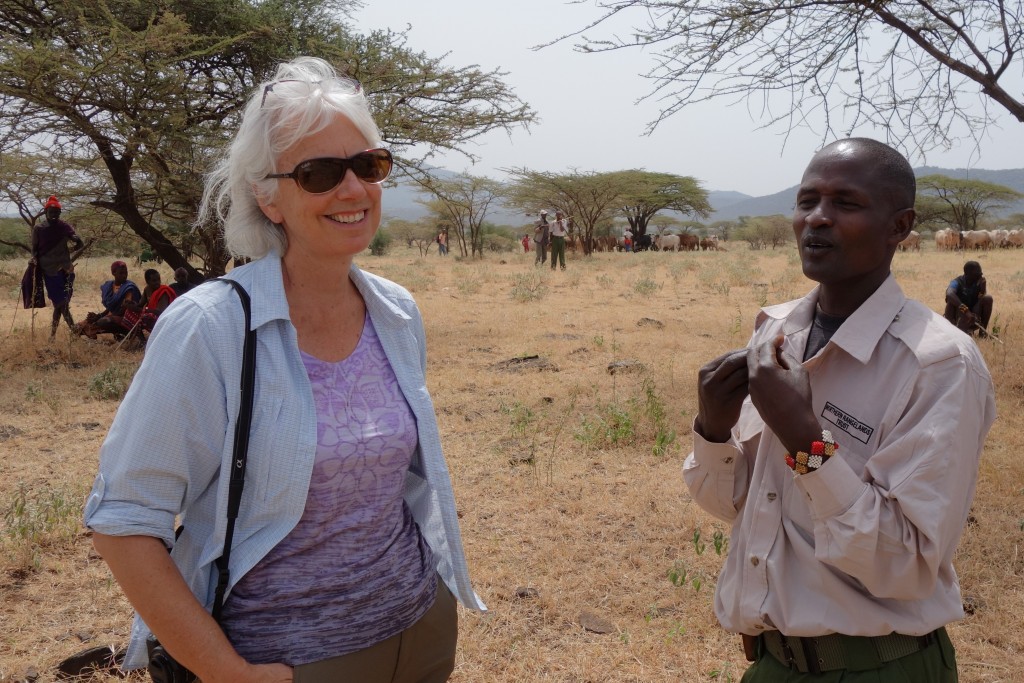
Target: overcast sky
590 117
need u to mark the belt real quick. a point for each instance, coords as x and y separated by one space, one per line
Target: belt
838 651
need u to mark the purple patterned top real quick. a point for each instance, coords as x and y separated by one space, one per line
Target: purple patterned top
355 570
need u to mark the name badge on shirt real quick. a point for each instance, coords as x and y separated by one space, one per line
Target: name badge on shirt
846 422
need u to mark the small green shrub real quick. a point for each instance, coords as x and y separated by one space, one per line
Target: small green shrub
654 411
527 287
645 286
112 383
469 281
35 519
611 426
33 392
520 418
380 244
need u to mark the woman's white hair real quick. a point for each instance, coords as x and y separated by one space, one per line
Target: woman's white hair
303 98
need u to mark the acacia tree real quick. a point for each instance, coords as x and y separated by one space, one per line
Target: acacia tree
723 228
138 97
959 202
462 202
763 231
588 199
914 68
645 193
419 233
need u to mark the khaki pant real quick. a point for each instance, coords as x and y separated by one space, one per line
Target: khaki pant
423 653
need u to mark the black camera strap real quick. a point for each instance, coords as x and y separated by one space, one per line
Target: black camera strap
239 454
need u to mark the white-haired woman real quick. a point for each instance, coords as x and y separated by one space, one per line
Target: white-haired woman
347 552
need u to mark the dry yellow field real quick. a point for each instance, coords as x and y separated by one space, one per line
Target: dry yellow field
570 516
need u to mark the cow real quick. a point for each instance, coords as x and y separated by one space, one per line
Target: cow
642 242
1000 238
912 242
1015 238
976 239
688 242
709 243
947 240
667 242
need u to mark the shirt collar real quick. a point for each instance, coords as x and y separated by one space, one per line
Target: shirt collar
861 332
265 282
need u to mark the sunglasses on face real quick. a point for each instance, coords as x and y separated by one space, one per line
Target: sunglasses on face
318 176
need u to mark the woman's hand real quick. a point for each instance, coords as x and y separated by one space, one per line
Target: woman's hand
256 673
157 591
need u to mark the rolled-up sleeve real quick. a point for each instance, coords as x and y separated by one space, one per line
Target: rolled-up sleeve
165 444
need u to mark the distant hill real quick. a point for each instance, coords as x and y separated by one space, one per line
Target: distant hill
401 201
782 202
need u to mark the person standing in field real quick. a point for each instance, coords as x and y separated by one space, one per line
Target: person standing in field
559 231
347 558
52 259
541 236
842 444
442 243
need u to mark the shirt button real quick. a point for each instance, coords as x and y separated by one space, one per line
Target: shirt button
771 495
728 461
754 561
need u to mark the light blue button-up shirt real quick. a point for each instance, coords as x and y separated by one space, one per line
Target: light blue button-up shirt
168 451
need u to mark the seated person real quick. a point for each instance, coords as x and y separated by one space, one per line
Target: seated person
117 296
181 283
968 303
156 297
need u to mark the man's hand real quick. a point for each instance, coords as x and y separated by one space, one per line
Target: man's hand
721 388
966 320
781 391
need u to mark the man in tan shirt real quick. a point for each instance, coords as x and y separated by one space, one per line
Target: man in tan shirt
842 445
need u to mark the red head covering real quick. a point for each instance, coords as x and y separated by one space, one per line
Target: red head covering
117 264
52 201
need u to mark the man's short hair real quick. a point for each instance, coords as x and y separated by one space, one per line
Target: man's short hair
150 274
893 170
972 265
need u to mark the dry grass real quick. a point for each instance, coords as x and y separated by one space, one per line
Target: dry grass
558 485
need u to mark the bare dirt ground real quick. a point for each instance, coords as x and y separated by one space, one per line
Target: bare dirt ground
580 536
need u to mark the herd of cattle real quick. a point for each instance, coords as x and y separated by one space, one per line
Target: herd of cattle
945 240
666 242
949 240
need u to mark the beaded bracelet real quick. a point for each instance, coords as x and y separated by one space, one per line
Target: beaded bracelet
821 451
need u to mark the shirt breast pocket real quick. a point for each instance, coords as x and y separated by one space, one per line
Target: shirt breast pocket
267 446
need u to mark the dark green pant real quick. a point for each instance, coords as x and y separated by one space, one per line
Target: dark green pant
557 251
423 653
934 664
